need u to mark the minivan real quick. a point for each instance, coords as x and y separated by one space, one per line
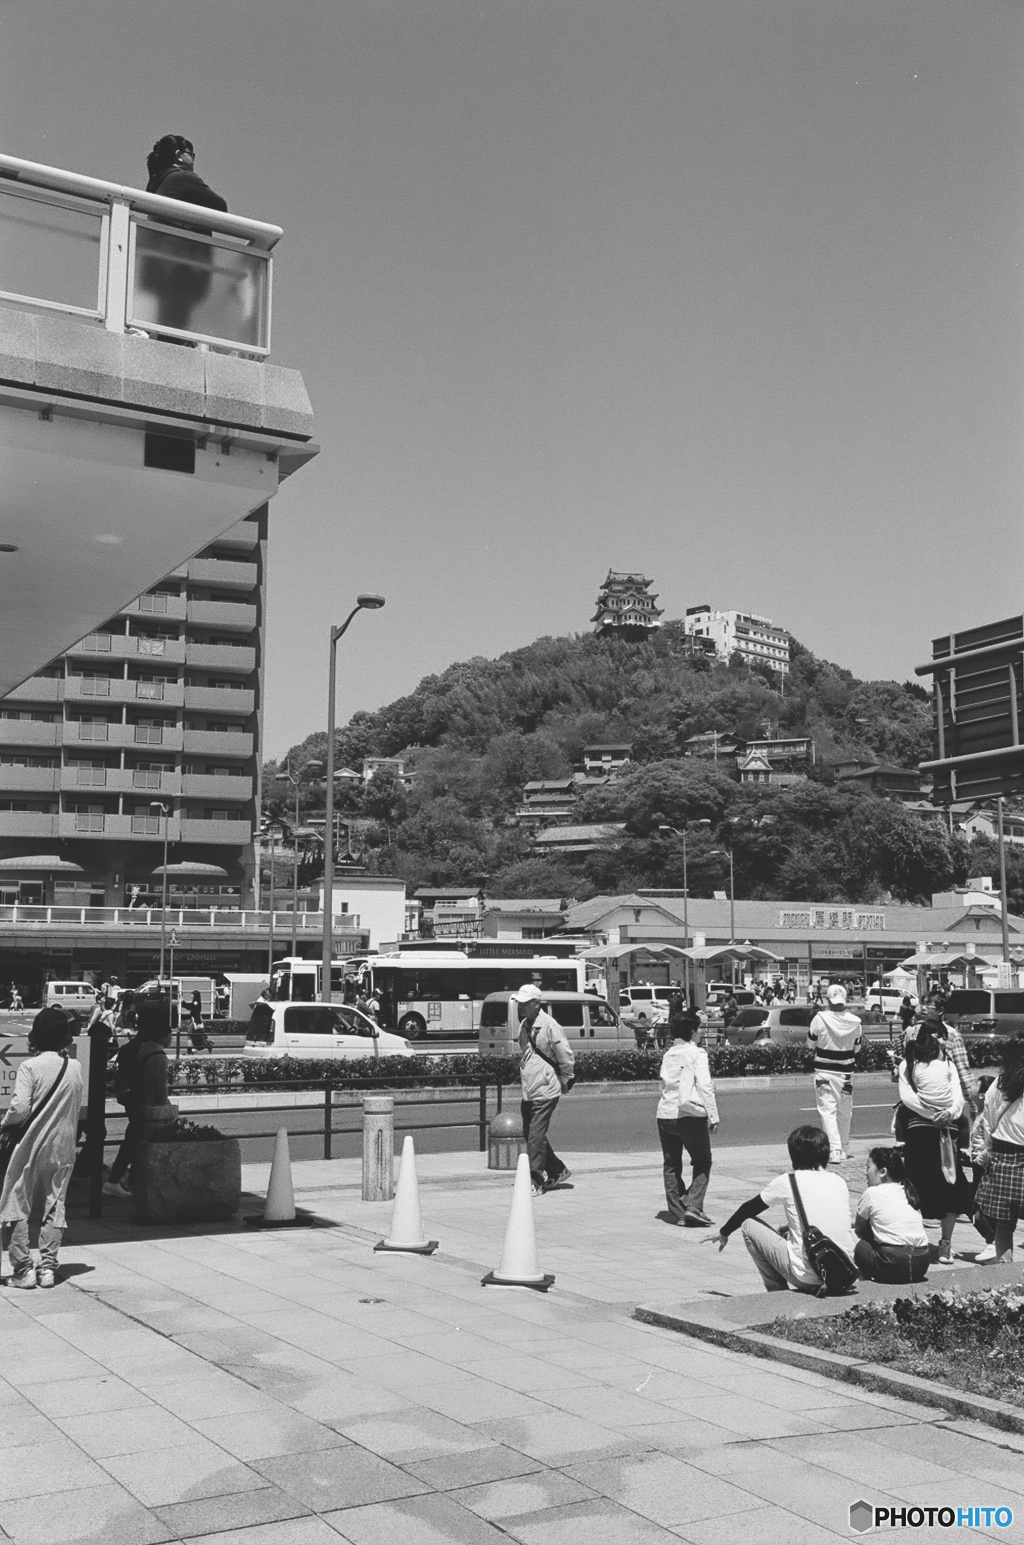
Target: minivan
983 1013
318 1030
589 1022
80 996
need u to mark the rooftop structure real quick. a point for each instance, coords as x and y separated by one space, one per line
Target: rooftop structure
624 608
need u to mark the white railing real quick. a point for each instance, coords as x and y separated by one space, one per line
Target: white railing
126 259
177 917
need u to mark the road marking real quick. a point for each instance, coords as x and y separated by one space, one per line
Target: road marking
885 1105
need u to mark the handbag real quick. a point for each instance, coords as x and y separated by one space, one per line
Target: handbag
10 1137
836 1269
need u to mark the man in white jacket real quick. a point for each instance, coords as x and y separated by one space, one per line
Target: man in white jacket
546 1070
834 1037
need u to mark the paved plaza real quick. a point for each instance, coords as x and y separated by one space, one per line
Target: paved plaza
293 1388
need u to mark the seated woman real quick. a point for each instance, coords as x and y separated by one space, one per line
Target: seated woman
892 1245
780 1257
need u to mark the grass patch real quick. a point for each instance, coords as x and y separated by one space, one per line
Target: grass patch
969 1341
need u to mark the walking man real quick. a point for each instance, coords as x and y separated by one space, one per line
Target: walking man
545 1065
834 1037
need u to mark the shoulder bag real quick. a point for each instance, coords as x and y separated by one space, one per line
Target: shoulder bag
565 1084
830 1261
10 1137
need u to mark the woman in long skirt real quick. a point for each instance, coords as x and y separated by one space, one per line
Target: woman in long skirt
932 1105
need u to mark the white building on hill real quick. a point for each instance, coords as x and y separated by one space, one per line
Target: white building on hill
756 638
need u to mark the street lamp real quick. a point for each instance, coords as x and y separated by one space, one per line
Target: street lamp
296 780
727 853
156 804
671 831
272 832
369 603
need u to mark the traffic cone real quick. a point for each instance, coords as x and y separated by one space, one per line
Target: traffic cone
406 1223
279 1207
519 1266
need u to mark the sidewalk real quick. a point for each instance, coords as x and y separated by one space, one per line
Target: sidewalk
233 1387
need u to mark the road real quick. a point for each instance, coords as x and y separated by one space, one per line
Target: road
617 1123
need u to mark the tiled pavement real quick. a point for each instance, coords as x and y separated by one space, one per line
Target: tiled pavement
295 1389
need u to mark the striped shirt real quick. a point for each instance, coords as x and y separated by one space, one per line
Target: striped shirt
835 1037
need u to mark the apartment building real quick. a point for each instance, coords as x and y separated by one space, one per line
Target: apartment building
155 714
756 638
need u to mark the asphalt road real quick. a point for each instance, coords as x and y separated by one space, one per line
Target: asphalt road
621 1122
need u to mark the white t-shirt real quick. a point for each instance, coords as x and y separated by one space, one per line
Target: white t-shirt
826 1200
893 1221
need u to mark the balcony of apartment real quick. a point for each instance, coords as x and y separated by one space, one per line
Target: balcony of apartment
218 743
244 538
169 737
223 574
116 690
227 700
173 607
233 616
124 646
87 823
221 657
29 733
235 833
120 780
29 780
27 823
216 786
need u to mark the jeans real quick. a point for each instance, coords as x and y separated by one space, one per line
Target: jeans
545 1165
49 1243
891 1263
133 1135
689 1133
834 1098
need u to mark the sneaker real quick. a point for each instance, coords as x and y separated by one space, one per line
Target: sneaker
24 1279
985 1257
560 1179
45 1277
945 1255
539 1190
115 1188
694 1218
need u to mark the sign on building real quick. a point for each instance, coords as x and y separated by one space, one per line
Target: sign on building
976 703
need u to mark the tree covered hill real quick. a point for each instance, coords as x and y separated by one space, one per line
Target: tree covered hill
474 734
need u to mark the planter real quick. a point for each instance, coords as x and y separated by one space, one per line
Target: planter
187 1182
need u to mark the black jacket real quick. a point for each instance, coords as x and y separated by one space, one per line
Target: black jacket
189 187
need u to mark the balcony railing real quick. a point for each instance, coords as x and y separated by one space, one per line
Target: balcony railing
123 258
309 923
92 731
142 778
145 825
149 691
149 735
87 822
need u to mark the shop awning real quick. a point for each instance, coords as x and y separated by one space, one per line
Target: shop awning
40 863
197 871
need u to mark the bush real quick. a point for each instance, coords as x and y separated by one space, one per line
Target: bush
184 1131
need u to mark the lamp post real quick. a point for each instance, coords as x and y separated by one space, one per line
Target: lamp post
1002 895
272 832
727 853
671 831
363 603
156 804
296 780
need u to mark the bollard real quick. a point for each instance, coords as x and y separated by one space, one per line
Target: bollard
378 1147
505 1141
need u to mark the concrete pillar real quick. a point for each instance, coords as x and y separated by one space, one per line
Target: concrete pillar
378 1147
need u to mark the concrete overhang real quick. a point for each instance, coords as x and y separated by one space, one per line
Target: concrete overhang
91 424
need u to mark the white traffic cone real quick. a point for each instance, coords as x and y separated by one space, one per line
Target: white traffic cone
279 1207
519 1267
406 1223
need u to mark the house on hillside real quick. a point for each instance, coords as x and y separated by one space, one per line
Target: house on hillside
879 778
578 839
546 801
533 918
372 765
604 759
624 608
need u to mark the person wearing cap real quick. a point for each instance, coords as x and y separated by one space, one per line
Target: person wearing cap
45 1107
834 1037
546 1070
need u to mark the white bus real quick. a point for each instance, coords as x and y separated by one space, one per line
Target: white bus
441 992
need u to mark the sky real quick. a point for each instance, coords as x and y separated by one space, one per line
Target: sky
728 291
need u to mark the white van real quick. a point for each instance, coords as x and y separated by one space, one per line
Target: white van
80 996
589 1023
318 1030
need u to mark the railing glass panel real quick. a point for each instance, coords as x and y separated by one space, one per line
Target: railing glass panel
49 250
190 285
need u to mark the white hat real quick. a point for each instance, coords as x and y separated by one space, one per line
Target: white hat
835 993
530 993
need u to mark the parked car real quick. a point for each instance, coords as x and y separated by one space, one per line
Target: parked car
985 1014
318 1030
589 1023
784 1023
80 996
646 1005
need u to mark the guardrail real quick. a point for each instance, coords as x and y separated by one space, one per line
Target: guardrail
177 917
133 261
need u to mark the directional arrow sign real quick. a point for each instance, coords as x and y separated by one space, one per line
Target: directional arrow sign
5 1047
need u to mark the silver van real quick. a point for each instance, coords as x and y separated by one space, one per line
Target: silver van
589 1023
80 996
985 1014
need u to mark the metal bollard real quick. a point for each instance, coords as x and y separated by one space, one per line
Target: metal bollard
505 1141
378 1147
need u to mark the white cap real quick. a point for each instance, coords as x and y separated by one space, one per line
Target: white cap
835 993
530 993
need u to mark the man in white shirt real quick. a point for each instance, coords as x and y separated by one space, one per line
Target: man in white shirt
835 1037
546 1070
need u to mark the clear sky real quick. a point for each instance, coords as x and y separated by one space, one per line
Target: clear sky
727 291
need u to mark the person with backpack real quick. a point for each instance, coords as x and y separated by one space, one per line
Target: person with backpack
140 1080
37 1146
546 1071
817 1207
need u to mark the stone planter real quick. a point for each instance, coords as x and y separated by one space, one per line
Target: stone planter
187 1182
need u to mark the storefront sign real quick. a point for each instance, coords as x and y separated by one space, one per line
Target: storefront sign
834 917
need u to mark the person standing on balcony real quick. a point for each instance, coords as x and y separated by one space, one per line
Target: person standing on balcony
179 278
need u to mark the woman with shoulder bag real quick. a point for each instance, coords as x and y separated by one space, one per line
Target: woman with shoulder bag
928 1121
687 1115
37 1143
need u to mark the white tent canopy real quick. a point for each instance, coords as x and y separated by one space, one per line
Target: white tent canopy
941 960
708 952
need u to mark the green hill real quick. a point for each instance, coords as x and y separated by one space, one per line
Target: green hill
474 734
